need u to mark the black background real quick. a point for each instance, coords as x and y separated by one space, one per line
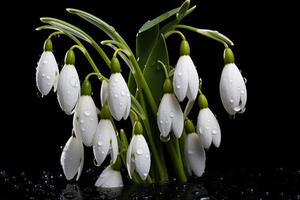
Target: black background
266 135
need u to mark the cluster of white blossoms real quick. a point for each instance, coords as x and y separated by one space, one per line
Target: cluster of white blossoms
154 109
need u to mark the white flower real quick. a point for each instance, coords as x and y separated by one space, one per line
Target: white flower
170 116
186 80
233 89
138 157
46 73
109 178
105 141
194 154
208 128
68 88
85 119
104 92
119 101
72 158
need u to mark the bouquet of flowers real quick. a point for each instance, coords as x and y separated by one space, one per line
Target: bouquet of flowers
157 99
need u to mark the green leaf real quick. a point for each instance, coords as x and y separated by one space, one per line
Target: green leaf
215 35
164 16
153 72
184 7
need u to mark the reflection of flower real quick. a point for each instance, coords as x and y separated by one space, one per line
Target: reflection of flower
138 157
194 154
71 158
170 116
186 80
85 119
208 128
109 178
46 73
232 89
118 97
105 141
68 88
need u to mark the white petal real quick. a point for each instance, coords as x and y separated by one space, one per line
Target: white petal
164 119
80 168
118 94
46 72
127 111
180 79
109 178
204 128
176 116
104 92
114 147
193 81
195 154
68 88
71 157
101 142
142 157
129 161
86 120
232 89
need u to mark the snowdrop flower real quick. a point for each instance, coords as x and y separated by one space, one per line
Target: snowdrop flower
138 154
118 93
232 86
72 158
105 139
85 119
68 87
47 70
109 178
194 152
207 125
104 92
186 79
169 116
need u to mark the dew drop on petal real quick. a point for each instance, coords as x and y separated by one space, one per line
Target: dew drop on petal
82 129
145 174
230 81
123 93
99 143
43 75
45 61
214 132
116 96
48 77
87 113
116 80
121 104
179 73
139 151
242 92
231 101
139 139
200 130
48 84
190 152
81 121
178 86
171 114
92 119
102 152
161 122
147 155
245 80
74 82
166 121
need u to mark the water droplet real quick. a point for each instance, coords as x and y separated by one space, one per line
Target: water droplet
99 143
145 174
139 139
116 96
171 114
92 119
48 84
43 75
245 80
87 113
139 151
166 121
179 73
190 152
231 101
123 93
74 82
214 132
147 155
242 92
81 121
230 81
161 122
116 80
121 104
164 139
200 130
102 152
128 95
82 129
45 61
178 86
48 77
207 128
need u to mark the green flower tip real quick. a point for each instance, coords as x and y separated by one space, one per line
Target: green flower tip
70 57
228 56
184 48
138 128
168 88
123 138
189 126
86 88
202 101
115 65
48 45
105 113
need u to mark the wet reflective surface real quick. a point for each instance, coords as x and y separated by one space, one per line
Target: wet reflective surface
248 184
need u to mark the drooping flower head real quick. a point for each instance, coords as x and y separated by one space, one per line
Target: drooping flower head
68 87
47 70
119 100
186 79
208 127
85 119
232 86
169 116
138 154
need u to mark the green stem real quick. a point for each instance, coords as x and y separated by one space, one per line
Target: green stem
167 34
